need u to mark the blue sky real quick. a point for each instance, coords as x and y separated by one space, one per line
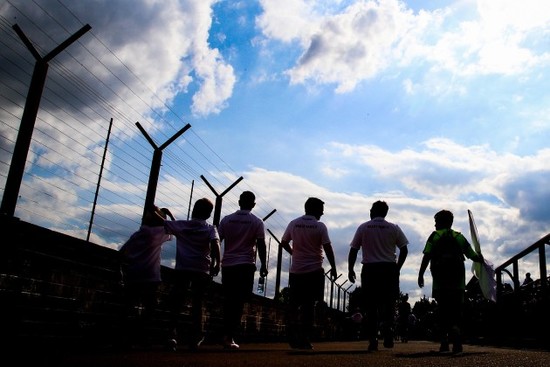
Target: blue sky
427 105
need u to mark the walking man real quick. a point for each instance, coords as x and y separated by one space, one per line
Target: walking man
242 234
378 241
309 239
445 251
197 261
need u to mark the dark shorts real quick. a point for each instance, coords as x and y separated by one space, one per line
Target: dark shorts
307 287
195 282
381 279
238 280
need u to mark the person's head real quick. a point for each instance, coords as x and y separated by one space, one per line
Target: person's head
528 275
202 209
379 209
315 207
443 219
155 216
247 200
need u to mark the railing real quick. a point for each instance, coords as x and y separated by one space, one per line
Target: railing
519 317
540 245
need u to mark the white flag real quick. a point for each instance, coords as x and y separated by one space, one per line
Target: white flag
484 272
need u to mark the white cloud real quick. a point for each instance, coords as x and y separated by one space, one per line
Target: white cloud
217 81
288 20
345 46
445 170
163 43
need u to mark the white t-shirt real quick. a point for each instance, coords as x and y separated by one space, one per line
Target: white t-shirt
239 232
308 235
193 243
378 240
142 254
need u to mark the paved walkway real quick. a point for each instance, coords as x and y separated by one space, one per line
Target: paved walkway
329 354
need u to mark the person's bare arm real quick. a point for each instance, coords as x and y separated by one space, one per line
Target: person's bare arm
262 254
403 252
286 246
215 257
330 257
352 257
423 267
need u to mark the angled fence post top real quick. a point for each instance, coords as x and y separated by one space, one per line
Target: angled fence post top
24 136
218 207
156 164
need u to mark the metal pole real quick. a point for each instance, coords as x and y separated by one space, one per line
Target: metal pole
218 207
279 265
155 165
24 136
542 268
339 288
269 215
190 199
267 252
267 264
332 289
345 294
99 180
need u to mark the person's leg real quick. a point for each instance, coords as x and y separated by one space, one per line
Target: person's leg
455 320
295 308
199 284
444 317
388 291
149 297
129 315
237 283
178 295
306 331
369 302
229 279
313 293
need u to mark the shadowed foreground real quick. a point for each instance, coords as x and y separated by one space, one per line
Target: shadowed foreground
329 354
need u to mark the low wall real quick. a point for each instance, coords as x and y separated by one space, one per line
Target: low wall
56 290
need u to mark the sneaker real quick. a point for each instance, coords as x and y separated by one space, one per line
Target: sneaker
373 346
229 343
195 345
171 345
305 345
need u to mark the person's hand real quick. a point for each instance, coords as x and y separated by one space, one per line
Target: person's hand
421 281
333 274
351 276
214 270
263 271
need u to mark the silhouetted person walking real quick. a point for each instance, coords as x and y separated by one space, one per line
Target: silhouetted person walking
379 241
242 233
445 251
140 266
309 239
197 261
